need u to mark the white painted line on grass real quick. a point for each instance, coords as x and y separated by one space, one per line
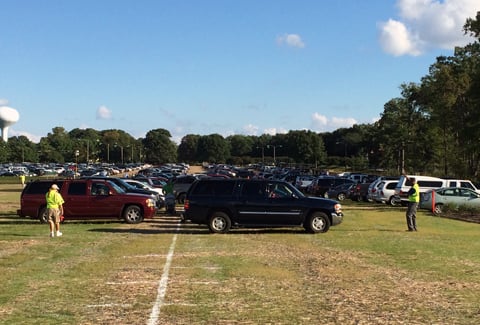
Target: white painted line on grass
162 284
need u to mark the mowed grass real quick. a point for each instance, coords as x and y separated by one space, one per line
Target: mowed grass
367 270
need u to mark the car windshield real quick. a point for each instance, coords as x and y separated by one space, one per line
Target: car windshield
117 188
293 190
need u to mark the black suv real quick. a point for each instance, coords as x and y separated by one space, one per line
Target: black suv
225 203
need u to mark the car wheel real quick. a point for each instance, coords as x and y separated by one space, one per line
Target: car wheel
181 198
318 222
132 214
42 216
392 201
438 209
219 222
341 196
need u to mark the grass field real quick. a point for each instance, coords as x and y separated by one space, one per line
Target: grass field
367 270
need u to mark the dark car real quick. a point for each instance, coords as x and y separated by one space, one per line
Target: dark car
225 203
340 192
321 184
87 199
181 184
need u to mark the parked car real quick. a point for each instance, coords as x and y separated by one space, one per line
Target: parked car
159 200
359 192
435 200
144 186
373 187
385 192
427 183
303 181
321 184
340 192
87 199
225 203
181 184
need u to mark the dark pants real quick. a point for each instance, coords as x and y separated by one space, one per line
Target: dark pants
412 216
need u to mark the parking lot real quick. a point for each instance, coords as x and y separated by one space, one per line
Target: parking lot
367 270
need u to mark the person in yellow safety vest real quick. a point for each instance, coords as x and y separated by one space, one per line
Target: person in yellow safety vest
54 209
413 201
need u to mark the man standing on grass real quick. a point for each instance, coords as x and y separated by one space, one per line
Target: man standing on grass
54 209
413 201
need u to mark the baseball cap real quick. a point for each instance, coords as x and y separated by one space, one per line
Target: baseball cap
54 187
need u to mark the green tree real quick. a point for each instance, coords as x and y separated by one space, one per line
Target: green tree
240 145
213 148
187 149
21 149
159 148
305 147
57 146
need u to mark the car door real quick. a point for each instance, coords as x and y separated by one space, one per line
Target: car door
251 206
77 202
282 206
101 201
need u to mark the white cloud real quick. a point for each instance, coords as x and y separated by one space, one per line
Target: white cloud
31 137
291 40
274 131
395 39
320 123
250 129
103 113
426 24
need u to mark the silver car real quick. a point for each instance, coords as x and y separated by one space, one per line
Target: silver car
435 200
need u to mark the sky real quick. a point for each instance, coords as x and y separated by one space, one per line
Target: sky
248 67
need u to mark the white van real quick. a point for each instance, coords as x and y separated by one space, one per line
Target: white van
462 183
426 183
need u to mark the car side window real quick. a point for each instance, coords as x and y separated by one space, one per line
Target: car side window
253 189
277 191
77 188
99 189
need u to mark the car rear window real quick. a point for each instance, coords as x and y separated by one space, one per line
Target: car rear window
40 187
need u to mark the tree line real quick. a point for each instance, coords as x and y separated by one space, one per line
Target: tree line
432 128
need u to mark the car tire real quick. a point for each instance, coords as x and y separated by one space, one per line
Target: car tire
341 196
438 209
318 222
42 215
392 201
219 222
133 214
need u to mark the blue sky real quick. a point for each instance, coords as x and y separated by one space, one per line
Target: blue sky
216 66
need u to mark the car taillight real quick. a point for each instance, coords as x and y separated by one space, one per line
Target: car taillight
186 204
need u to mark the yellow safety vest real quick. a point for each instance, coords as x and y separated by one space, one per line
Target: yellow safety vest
54 199
415 197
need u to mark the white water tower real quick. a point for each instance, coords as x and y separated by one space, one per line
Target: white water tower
8 116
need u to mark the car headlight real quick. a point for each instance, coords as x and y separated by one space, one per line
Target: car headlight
338 208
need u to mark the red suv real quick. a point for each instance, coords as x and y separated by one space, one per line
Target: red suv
87 199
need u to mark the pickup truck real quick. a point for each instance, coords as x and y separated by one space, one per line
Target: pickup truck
87 199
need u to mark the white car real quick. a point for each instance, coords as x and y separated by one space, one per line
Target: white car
385 192
144 186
